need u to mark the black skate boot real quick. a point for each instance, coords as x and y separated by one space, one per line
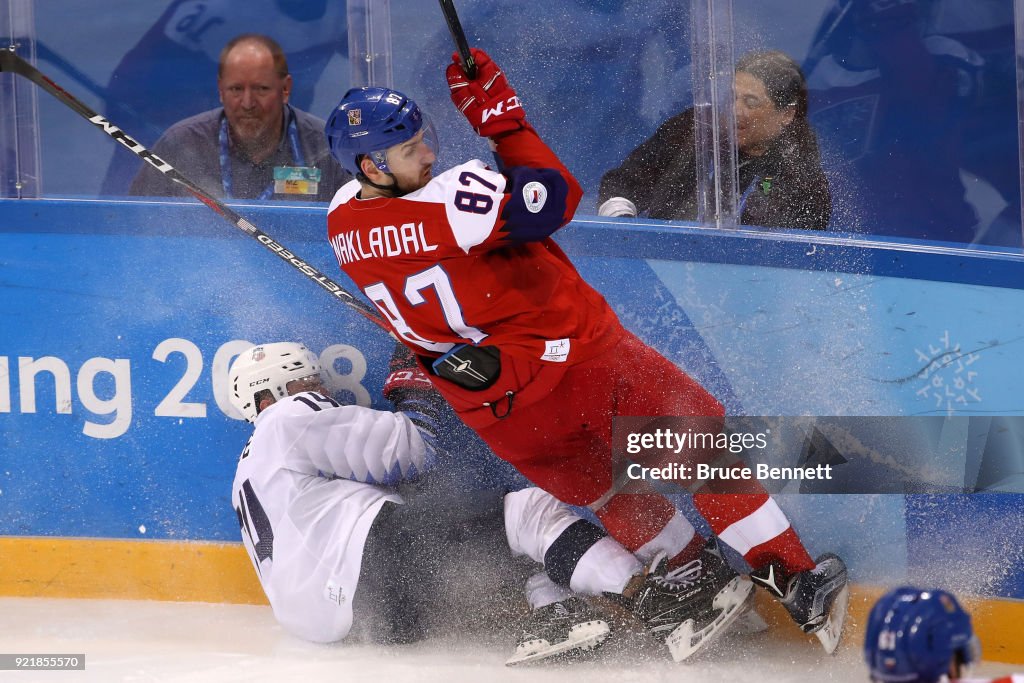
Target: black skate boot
816 599
569 626
690 605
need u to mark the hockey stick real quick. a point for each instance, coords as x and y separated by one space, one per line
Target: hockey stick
119 108
465 56
11 62
459 36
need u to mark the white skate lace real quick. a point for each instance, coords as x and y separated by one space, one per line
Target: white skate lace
680 577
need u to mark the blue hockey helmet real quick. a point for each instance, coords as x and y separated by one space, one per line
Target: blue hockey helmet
369 120
914 636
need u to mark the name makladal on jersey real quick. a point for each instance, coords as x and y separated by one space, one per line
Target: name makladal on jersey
382 242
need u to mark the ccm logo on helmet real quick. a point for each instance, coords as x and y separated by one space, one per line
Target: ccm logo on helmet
502 107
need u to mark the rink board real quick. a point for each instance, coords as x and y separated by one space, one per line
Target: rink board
119 321
220 572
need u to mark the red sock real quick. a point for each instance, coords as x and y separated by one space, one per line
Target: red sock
786 549
759 518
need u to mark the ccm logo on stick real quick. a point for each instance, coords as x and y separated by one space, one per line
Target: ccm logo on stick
129 142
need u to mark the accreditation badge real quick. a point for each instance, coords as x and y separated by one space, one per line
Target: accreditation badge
296 180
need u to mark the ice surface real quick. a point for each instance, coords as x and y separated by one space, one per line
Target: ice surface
193 642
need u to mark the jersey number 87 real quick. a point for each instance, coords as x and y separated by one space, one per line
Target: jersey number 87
435 278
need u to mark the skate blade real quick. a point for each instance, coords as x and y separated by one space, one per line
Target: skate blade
749 620
748 623
585 636
685 640
832 631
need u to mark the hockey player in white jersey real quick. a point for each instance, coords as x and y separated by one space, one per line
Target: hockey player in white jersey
334 542
303 508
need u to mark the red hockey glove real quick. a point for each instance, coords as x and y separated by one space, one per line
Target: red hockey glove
488 101
402 358
405 376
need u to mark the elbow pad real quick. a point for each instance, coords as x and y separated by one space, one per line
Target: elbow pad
536 205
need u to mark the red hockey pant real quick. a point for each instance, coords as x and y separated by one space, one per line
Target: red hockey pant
563 444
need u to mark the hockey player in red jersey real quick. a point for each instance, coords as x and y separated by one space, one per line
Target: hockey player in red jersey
463 267
922 636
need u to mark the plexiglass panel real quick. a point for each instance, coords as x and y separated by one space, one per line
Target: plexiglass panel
716 176
20 164
596 77
914 104
147 65
369 42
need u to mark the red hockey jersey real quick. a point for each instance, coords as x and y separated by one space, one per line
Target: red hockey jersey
468 258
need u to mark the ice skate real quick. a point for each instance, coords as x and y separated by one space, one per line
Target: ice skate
564 627
692 604
816 599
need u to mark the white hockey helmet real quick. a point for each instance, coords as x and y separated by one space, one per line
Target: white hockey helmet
268 367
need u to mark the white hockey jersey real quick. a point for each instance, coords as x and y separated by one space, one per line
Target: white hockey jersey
305 508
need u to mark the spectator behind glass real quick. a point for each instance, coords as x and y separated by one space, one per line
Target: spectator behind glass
256 146
181 50
781 182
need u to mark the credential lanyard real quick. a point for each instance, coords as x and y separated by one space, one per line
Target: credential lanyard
746 193
743 198
225 159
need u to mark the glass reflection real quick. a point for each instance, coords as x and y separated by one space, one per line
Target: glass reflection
916 101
